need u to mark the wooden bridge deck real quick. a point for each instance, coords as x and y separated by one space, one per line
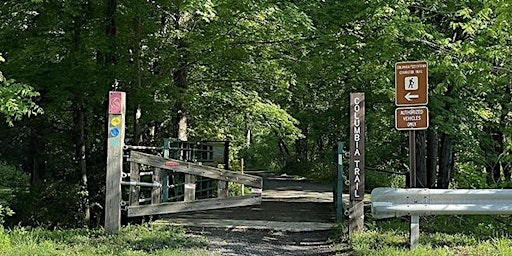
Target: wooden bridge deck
288 204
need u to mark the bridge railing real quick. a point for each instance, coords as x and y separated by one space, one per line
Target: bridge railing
157 185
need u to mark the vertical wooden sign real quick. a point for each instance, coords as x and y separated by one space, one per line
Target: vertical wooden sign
356 162
115 143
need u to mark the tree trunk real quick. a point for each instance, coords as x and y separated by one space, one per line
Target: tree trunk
445 162
507 166
285 148
421 165
432 154
182 126
493 152
37 164
80 123
180 77
137 137
111 31
81 156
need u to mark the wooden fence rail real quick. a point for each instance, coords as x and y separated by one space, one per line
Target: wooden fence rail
190 170
196 169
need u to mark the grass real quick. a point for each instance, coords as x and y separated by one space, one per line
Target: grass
439 235
131 240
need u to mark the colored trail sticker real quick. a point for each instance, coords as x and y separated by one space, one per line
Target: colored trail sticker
114 132
115 121
114 142
115 102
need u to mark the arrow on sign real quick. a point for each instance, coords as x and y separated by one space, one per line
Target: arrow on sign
410 96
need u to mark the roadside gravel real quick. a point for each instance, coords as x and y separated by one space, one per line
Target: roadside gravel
268 242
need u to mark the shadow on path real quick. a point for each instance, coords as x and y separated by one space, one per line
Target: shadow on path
285 199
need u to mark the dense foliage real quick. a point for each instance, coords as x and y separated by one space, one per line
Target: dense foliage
273 77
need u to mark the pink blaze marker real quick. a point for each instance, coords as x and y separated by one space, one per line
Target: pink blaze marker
114 106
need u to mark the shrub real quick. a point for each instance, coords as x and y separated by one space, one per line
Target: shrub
12 177
4 212
49 204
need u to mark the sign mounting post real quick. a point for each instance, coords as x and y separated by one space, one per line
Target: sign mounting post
411 95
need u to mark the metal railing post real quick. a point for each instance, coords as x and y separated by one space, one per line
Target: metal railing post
414 233
339 184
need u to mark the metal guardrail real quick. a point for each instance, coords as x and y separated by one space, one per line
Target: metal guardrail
393 202
415 202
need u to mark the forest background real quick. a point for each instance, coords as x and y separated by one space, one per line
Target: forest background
273 77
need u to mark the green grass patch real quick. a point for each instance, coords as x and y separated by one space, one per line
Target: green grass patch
439 235
131 240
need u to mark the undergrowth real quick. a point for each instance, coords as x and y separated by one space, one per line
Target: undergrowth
439 235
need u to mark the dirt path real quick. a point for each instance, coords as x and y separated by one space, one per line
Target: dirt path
295 218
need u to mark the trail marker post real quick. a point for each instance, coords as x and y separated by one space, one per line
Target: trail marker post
115 143
356 163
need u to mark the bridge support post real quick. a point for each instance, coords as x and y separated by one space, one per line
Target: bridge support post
222 186
190 187
156 193
134 190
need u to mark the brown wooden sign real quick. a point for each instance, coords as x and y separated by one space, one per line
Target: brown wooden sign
412 118
357 138
411 83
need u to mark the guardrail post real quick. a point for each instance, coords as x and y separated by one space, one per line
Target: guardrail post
414 233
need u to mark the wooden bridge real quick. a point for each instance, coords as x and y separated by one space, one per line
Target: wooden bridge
177 182
163 169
